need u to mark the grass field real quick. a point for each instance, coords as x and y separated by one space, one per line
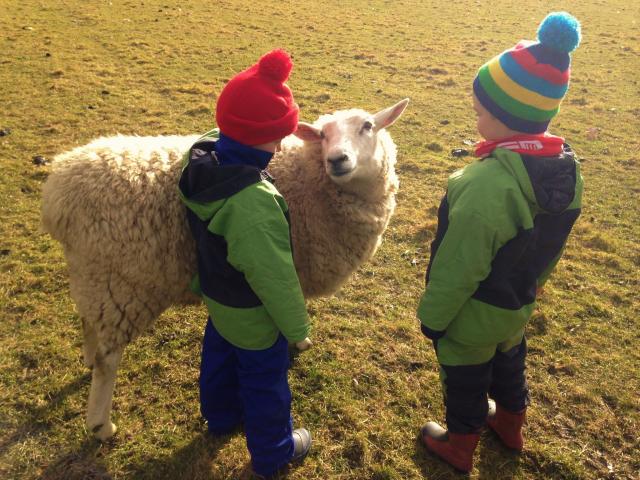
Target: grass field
71 71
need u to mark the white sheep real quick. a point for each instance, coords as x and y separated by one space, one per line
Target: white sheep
114 206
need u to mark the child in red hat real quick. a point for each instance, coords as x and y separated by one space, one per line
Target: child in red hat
246 274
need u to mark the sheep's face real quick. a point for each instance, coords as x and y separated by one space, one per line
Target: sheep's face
349 141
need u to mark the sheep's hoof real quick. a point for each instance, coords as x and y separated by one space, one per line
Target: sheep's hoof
104 431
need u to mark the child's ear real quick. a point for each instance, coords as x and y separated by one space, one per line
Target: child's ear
308 132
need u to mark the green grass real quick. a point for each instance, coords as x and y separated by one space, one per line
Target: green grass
71 71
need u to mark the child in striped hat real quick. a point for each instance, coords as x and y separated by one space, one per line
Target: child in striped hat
517 93
502 227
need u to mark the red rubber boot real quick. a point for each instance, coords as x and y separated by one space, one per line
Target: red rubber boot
507 425
454 448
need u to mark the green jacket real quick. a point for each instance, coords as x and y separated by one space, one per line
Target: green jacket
502 227
246 274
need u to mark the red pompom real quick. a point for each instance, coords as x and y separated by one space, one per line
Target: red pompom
276 64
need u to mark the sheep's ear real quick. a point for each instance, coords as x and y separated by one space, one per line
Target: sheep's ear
385 118
308 132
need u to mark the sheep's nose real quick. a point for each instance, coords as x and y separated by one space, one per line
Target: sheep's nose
337 160
339 165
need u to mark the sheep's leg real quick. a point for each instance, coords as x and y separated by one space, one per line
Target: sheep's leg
90 343
101 395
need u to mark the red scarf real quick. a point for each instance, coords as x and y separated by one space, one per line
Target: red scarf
544 145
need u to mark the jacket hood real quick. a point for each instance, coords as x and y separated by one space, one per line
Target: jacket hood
548 182
204 181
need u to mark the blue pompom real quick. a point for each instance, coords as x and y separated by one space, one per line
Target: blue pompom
560 31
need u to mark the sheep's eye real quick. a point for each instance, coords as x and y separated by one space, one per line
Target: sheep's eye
367 126
322 135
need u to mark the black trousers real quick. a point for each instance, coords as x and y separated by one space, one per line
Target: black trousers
465 389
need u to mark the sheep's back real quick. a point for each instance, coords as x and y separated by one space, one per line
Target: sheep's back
115 202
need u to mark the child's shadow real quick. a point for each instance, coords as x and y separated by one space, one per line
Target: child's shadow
193 461
493 460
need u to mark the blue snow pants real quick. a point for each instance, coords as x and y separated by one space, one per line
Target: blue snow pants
251 387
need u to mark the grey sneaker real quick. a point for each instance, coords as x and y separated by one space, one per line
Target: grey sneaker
301 443
301 446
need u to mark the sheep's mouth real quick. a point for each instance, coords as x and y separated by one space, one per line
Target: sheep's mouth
341 172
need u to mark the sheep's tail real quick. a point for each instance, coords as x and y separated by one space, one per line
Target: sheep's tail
54 214
59 200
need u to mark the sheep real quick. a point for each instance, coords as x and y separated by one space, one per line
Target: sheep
114 206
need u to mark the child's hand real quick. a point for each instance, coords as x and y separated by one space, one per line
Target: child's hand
304 344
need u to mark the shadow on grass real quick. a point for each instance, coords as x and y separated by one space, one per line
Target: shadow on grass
196 460
493 460
80 464
191 462
497 461
84 461
37 418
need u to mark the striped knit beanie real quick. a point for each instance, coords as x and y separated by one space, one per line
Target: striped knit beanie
523 87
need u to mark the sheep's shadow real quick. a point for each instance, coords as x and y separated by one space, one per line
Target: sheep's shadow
192 461
36 422
79 464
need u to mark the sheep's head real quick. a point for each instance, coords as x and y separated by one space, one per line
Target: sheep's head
349 140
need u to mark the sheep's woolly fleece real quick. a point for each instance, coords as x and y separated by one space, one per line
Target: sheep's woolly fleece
114 206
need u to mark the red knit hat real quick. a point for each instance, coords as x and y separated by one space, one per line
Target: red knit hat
256 106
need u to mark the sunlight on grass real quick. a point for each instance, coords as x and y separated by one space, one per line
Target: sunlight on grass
72 71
